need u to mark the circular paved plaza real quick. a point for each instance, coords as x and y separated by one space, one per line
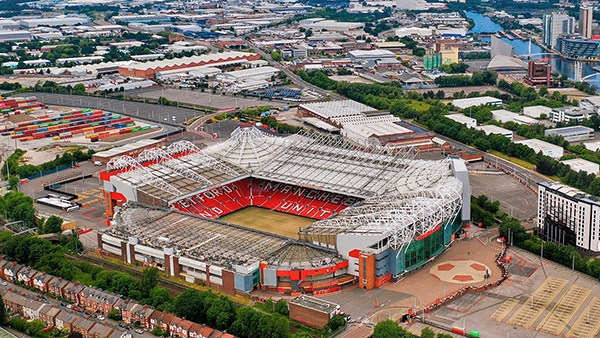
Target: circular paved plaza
460 271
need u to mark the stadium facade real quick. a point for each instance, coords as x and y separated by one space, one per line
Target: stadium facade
379 212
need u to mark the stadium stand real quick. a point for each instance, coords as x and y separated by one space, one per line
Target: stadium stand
379 213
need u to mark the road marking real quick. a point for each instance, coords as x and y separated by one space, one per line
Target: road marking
527 314
588 323
504 309
563 311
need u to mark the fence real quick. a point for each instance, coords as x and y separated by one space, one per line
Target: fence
50 171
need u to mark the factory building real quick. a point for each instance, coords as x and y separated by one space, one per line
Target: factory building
20 35
469 122
66 20
572 134
545 148
260 73
495 130
476 101
503 116
579 164
150 69
370 55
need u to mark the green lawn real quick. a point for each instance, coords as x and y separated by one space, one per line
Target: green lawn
514 160
521 163
419 105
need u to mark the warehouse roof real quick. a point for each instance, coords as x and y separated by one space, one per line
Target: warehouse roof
565 131
331 109
126 148
475 101
493 129
383 53
579 164
538 145
188 60
251 72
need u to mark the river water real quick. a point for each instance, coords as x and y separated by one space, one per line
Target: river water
484 24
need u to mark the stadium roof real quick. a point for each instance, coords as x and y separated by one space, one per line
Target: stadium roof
403 197
214 242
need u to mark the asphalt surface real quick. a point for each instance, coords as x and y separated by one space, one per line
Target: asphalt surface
292 76
170 117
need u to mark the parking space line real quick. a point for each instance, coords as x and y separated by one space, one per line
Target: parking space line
529 312
504 309
588 323
563 311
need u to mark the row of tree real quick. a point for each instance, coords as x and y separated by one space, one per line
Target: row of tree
390 329
485 78
27 170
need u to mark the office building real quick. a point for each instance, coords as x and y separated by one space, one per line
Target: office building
568 114
567 216
539 73
556 25
576 46
586 17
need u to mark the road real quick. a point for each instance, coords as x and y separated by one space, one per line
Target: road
292 76
56 303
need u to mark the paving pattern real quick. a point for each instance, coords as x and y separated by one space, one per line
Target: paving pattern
563 311
89 196
460 271
529 312
504 309
588 323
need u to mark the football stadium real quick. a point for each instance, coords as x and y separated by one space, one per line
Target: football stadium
306 213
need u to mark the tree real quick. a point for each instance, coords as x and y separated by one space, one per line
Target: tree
114 314
159 296
190 304
276 55
335 323
427 332
79 89
282 308
543 92
386 329
149 280
53 225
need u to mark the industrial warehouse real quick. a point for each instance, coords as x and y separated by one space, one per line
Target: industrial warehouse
376 212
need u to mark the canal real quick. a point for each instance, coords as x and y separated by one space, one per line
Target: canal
484 24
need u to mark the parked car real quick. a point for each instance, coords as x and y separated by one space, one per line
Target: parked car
101 317
122 325
139 331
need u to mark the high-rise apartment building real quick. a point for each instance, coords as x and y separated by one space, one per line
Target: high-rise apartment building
556 25
586 17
